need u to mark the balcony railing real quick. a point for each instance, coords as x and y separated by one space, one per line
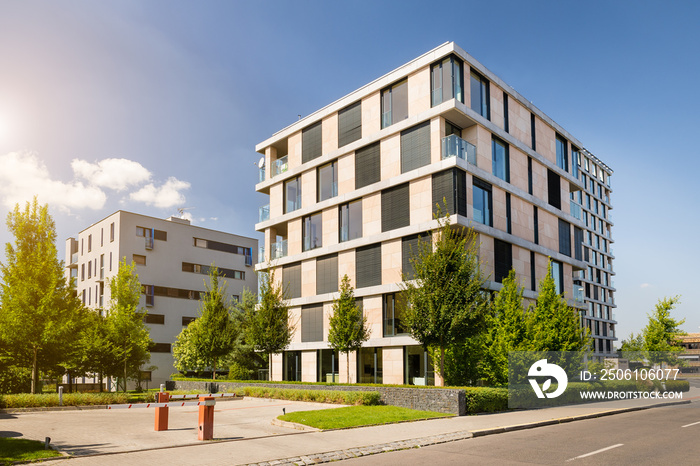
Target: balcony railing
261 254
454 146
264 213
280 166
149 242
578 293
576 210
261 174
74 258
278 249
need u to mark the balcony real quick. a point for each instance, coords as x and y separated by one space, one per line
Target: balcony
264 213
454 146
278 249
578 293
261 174
261 254
149 242
280 166
576 210
74 259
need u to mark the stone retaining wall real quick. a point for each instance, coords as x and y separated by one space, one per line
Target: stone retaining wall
441 400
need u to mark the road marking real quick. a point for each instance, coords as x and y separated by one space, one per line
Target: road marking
694 423
596 452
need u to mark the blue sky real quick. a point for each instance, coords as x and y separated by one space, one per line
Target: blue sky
153 105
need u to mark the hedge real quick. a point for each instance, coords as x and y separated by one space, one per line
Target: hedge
677 385
485 399
319 396
26 400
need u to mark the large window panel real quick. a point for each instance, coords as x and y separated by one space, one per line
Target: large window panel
500 160
392 314
327 181
368 265
415 147
411 247
483 210
312 233
564 238
327 274
446 81
291 279
395 103
367 165
350 221
350 124
450 186
480 95
311 142
312 323
292 194
553 189
396 209
562 154
558 276
503 259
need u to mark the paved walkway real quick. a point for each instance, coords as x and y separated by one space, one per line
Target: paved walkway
244 433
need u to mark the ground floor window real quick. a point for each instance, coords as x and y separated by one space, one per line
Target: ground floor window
292 366
327 370
369 365
418 366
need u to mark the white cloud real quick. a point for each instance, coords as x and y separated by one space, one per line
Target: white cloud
24 175
167 195
117 174
645 285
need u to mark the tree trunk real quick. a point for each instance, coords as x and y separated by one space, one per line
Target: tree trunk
35 372
99 379
213 372
125 376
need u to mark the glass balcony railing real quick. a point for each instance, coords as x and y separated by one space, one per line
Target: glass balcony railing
578 293
261 174
74 258
261 254
278 249
264 213
576 210
454 146
280 166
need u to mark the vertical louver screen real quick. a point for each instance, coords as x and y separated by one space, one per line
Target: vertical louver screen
415 147
311 142
350 124
396 209
367 165
368 265
327 274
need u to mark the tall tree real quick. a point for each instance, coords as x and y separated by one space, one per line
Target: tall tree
446 303
506 331
554 326
209 340
127 334
267 326
36 301
348 327
662 331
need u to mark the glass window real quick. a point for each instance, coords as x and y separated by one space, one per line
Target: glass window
392 315
500 163
558 276
292 194
313 231
446 81
395 103
418 366
562 154
350 221
327 181
575 161
480 95
327 366
482 202
369 365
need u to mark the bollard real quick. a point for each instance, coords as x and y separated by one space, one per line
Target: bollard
206 419
60 396
162 413
162 387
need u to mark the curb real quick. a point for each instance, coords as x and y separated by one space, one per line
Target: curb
294 425
337 455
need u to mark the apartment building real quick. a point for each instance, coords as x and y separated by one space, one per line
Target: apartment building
354 185
172 260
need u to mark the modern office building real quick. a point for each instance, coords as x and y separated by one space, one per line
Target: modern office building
354 184
172 260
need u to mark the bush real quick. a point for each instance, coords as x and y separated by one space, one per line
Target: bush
677 386
485 399
318 396
14 379
26 400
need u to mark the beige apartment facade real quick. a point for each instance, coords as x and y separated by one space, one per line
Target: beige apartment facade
353 185
172 260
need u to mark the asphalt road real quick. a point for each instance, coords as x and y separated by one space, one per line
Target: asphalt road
655 436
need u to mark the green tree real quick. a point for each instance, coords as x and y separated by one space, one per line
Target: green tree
662 331
553 325
445 302
507 331
245 361
209 340
348 327
267 326
37 306
126 332
186 349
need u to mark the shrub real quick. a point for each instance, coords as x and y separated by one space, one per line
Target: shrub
319 396
677 386
14 379
26 400
485 399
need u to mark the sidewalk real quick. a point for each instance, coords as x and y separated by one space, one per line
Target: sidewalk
245 434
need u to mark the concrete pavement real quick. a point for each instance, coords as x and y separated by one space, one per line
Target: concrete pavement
244 433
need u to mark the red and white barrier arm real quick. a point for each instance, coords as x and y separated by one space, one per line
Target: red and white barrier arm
164 405
216 395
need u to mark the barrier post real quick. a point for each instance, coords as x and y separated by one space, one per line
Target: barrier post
162 413
206 419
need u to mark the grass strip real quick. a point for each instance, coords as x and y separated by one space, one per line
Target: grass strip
20 449
356 416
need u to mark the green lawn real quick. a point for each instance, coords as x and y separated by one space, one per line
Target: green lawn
356 416
19 449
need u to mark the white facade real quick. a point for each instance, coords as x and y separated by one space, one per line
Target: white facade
172 257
